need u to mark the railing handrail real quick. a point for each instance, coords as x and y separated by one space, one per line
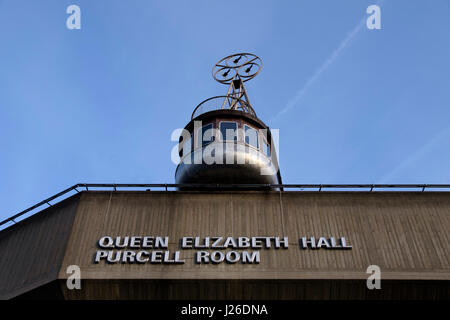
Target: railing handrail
199 108
319 187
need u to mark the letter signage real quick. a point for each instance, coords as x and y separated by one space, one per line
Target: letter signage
208 250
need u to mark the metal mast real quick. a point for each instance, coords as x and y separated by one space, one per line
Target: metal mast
235 70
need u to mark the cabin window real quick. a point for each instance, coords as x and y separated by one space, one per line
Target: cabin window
265 148
228 131
251 136
205 135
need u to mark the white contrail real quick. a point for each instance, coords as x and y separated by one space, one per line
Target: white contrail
334 55
344 43
420 152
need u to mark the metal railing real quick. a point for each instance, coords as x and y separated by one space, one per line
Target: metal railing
298 187
222 103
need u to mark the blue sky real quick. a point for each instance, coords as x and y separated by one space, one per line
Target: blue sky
99 104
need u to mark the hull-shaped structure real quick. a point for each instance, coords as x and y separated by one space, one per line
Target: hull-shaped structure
208 157
227 163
